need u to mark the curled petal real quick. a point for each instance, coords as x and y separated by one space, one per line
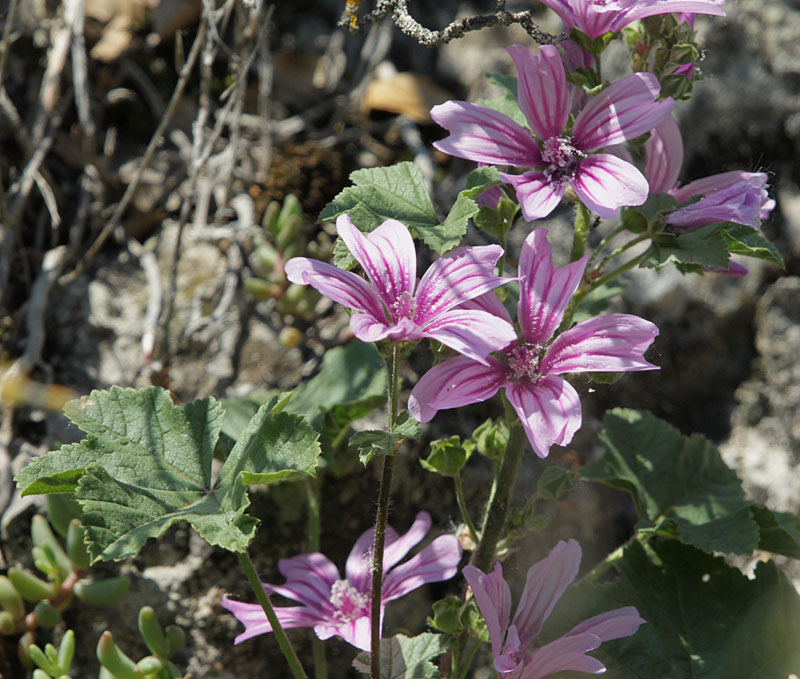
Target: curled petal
545 291
370 329
459 275
309 578
717 182
543 91
550 411
640 10
545 583
341 286
538 196
484 135
437 562
605 183
610 343
356 632
493 597
664 156
387 256
624 110
621 622
566 653
453 383
475 334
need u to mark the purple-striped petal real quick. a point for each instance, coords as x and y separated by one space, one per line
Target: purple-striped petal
355 632
538 196
640 10
309 578
387 256
437 562
255 621
605 183
453 383
341 286
566 653
484 135
358 568
461 274
610 343
543 94
493 597
369 329
545 583
545 291
491 304
475 334
396 548
624 110
550 411
621 622
741 203
664 156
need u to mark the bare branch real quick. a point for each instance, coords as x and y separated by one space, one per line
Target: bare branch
398 10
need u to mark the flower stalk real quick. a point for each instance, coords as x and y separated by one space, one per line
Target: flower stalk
283 642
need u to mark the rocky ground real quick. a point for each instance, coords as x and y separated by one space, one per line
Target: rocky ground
163 302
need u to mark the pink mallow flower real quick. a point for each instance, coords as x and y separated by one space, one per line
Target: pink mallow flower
546 581
396 306
624 110
596 17
334 606
736 196
530 369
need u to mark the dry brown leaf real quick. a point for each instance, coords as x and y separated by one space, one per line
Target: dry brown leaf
408 93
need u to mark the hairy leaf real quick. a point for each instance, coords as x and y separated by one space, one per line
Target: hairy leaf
405 657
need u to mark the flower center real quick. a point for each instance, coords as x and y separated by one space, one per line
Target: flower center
350 604
523 361
561 158
404 306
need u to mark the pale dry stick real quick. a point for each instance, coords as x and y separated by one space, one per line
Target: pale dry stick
80 78
265 75
149 264
398 9
172 107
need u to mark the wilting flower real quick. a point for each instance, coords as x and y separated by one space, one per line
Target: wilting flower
547 405
546 581
626 109
397 307
736 196
596 17
341 607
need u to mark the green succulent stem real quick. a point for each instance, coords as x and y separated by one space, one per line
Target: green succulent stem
283 642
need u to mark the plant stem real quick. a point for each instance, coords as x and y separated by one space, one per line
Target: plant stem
317 646
470 658
497 509
381 518
286 647
463 507
582 220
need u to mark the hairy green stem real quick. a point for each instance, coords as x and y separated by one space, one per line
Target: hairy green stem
286 647
462 505
470 658
582 220
392 364
497 509
317 645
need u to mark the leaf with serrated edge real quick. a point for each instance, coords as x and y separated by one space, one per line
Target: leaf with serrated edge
147 463
749 242
675 477
704 617
779 531
405 657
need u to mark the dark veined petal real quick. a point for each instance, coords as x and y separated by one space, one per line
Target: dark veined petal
436 562
255 621
621 622
475 334
387 256
624 110
453 383
605 183
610 343
566 653
538 196
484 135
456 277
664 152
545 291
544 584
493 596
341 286
550 411
647 8
543 90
